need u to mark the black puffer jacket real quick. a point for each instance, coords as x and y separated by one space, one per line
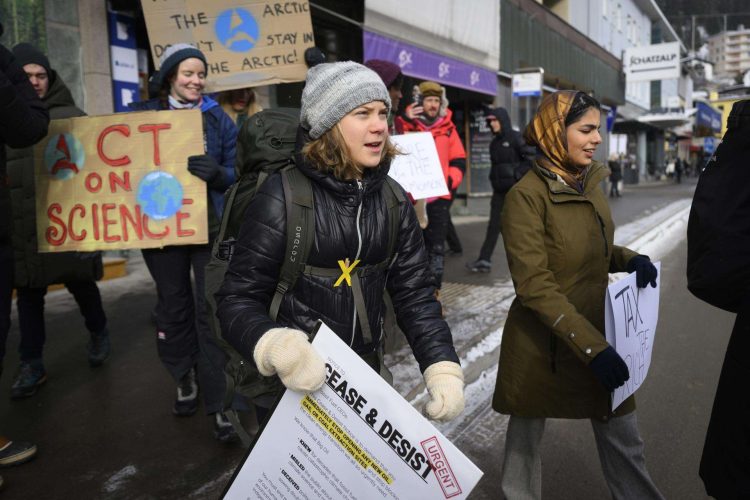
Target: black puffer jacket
511 157
23 122
250 281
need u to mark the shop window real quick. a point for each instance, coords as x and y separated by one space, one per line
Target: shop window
23 21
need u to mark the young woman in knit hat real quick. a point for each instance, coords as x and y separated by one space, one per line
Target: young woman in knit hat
555 361
344 150
184 340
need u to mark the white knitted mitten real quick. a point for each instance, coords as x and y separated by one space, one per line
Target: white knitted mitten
288 353
445 383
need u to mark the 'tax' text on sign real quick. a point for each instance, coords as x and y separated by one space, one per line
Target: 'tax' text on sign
120 181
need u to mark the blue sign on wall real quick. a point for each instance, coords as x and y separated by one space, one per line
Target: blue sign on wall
124 57
709 145
708 117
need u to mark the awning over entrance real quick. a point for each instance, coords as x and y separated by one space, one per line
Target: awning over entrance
427 65
664 120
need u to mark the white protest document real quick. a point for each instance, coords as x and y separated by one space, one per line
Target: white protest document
355 438
630 315
418 170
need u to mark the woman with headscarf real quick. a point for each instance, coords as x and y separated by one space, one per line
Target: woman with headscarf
555 361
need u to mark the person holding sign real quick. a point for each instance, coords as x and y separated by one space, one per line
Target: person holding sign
183 336
366 240
34 271
555 361
25 121
431 114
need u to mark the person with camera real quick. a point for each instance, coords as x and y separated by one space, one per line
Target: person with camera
430 113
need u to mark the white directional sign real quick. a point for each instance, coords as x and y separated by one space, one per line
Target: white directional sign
652 62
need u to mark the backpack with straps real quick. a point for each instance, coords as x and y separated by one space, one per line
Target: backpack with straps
266 145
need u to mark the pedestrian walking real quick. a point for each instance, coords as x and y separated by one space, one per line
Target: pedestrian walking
678 168
24 123
718 243
431 114
510 159
555 361
35 271
615 176
183 338
343 154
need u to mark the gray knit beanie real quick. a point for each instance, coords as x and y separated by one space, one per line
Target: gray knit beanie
333 90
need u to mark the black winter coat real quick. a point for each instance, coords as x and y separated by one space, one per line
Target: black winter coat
34 269
511 157
718 239
23 122
250 282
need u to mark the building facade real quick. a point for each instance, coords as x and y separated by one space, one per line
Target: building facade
730 53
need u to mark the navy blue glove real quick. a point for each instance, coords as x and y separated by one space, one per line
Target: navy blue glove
645 271
609 369
208 169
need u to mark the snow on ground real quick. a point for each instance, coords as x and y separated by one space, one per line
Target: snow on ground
119 478
476 314
477 317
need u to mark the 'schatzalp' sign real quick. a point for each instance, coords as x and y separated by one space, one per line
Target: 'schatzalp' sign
652 62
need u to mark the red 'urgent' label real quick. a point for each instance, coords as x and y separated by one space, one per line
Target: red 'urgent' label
439 463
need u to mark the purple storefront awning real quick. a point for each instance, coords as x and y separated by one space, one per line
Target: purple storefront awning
428 65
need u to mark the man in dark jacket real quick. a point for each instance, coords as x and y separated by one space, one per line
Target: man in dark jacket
511 158
34 271
718 239
24 122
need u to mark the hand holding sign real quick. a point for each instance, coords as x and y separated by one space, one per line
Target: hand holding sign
631 313
418 169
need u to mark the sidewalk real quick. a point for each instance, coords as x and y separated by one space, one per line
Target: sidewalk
474 209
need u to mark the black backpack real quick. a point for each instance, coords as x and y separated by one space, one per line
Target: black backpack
719 224
265 144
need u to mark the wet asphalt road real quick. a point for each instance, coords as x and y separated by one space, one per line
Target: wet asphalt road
109 432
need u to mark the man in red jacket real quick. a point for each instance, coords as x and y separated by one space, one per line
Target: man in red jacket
431 114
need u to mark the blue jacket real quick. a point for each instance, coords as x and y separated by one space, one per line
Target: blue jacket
219 137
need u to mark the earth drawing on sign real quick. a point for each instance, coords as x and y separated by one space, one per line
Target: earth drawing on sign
237 30
159 195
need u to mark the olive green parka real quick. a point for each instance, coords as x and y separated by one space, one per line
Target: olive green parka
560 251
34 269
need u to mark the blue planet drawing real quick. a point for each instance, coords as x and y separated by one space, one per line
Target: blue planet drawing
159 195
237 30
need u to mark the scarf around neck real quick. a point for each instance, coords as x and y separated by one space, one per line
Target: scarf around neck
547 132
175 104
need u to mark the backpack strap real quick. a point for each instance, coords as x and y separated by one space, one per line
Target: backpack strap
300 232
394 197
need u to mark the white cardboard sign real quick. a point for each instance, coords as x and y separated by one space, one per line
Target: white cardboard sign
418 170
355 438
631 315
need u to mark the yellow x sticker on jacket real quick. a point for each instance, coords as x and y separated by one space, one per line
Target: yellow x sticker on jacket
346 269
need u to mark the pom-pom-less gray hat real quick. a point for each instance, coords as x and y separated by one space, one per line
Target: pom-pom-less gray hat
333 90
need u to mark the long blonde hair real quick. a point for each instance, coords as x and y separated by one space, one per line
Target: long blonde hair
329 153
